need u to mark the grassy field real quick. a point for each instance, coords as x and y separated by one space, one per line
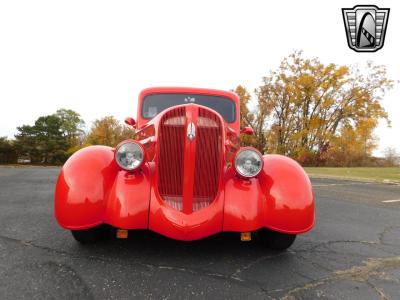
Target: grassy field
376 174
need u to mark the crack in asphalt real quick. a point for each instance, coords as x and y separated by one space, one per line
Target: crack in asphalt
230 278
356 273
326 244
379 291
386 230
235 274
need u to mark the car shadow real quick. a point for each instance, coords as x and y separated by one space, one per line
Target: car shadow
148 248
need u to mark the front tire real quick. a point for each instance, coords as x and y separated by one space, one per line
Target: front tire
92 235
275 240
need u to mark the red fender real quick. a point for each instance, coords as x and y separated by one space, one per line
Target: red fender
280 198
244 204
91 190
129 200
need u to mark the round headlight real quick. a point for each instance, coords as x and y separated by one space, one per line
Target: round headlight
248 162
129 156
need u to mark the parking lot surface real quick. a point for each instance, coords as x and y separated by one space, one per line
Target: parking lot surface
353 252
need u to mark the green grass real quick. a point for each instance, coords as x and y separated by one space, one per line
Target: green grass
376 174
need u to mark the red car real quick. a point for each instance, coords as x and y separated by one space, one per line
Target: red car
185 176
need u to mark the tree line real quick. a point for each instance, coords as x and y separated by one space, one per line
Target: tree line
319 114
53 138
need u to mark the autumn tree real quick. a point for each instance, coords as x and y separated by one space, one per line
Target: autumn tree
246 117
108 131
304 105
352 146
256 119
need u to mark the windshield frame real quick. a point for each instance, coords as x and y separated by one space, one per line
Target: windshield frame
223 98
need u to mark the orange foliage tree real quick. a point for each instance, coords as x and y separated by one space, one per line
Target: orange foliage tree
108 131
309 110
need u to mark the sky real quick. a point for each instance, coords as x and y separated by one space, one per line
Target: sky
96 56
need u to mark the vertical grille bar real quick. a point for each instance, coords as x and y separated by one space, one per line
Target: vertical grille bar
208 159
171 153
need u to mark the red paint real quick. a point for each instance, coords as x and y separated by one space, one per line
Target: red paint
279 198
185 189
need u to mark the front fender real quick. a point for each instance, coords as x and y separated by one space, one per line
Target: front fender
280 198
92 190
289 195
82 187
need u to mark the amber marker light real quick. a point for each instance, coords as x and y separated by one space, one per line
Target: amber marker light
122 234
245 236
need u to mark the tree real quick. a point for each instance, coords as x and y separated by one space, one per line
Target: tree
256 119
43 142
72 126
352 146
108 131
305 105
52 138
25 143
246 117
392 157
8 153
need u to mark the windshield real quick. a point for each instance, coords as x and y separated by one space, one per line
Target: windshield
156 103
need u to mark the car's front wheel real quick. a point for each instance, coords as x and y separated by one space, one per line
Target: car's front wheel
275 240
92 235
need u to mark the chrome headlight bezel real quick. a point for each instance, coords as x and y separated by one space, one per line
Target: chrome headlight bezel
134 148
253 154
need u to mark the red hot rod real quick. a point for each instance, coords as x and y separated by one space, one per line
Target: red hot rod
184 175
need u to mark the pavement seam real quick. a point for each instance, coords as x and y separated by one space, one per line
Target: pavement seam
355 179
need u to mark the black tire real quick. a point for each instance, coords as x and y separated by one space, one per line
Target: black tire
92 235
275 240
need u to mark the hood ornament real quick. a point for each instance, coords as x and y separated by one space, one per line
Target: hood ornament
191 131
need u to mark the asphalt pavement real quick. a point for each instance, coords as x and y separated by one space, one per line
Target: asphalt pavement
353 252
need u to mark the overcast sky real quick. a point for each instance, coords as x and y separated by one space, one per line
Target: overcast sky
96 56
